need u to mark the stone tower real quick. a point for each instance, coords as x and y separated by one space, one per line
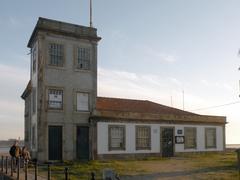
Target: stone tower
61 93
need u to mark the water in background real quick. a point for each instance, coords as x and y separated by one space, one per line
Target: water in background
4 150
233 146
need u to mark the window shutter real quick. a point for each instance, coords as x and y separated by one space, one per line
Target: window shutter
82 101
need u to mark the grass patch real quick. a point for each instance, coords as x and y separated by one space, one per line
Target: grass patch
195 166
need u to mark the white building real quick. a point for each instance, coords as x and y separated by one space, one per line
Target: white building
65 120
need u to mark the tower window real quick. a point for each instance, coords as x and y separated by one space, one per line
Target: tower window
56 54
55 99
82 101
34 59
83 58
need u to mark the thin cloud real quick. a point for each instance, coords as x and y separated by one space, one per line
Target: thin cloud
143 86
158 55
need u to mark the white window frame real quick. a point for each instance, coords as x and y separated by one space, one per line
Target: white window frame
83 108
83 58
56 53
34 100
122 140
214 145
34 59
58 91
191 137
143 137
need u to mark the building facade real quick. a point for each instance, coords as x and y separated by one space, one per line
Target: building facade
65 120
62 90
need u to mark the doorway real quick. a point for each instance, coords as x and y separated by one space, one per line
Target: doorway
167 139
83 142
55 143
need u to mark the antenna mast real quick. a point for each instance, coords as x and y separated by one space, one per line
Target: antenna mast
183 99
91 25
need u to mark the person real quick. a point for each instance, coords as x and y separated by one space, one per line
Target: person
25 154
15 152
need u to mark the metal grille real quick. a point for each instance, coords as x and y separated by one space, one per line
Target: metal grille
56 54
55 98
210 137
190 137
34 58
117 137
83 58
143 137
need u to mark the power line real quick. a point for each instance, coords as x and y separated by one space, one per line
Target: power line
211 107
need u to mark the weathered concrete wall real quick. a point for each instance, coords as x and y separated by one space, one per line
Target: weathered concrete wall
70 79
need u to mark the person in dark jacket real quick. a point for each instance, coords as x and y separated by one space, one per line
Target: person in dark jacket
15 152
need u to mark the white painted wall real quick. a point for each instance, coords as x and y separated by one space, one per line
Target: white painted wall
102 138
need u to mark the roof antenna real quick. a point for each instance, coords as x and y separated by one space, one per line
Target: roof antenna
183 99
91 25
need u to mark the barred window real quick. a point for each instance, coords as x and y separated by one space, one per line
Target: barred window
82 101
56 54
55 99
34 136
116 137
190 138
34 59
83 58
34 104
143 137
210 137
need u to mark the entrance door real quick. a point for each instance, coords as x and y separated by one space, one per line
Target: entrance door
83 142
167 142
55 142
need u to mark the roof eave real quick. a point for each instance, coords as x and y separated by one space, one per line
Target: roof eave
158 117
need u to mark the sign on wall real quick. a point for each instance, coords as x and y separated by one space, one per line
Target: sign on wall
179 139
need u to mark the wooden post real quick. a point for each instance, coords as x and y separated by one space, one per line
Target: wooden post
2 163
36 169
11 166
49 172
18 167
26 169
6 164
92 176
66 173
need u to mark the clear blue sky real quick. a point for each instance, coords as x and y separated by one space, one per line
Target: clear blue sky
149 50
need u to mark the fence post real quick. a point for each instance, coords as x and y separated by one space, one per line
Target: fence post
66 173
36 169
11 166
26 169
18 167
49 172
6 164
93 176
2 163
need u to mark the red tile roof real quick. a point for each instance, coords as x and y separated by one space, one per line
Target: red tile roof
140 106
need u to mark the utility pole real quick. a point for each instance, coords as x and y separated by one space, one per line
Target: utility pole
91 24
183 99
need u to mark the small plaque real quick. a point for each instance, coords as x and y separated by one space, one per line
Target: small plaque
179 139
179 131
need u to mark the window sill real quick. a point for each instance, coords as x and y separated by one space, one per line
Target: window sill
143 149
186 148
82 112
83 70
120 149
63 68
213 147
55 110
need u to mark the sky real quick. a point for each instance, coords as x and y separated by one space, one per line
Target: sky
151 50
